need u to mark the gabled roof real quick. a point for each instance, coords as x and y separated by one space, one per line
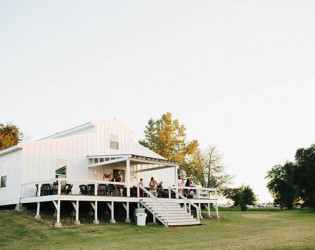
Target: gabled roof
68 132
9 150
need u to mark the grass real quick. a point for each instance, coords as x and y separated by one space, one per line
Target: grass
255 228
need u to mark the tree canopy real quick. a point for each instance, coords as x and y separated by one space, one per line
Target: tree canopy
10 135
294 181
241 196
167 137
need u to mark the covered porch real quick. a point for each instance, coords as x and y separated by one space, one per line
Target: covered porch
134 167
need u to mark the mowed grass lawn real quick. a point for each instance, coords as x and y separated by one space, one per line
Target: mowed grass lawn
236 230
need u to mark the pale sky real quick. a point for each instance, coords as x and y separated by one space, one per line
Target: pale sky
238 74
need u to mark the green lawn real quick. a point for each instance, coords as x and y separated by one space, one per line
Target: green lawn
271 228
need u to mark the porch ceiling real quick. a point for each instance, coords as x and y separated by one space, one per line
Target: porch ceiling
103 160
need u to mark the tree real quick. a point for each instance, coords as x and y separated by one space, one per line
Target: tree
10 135
241 196
247 197
303 175
280 185
234 194
213 169
167 137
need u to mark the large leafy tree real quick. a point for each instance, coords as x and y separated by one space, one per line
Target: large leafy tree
280 185
10 135
241 196
303 175
167 137
294 181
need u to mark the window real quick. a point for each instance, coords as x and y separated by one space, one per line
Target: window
3 174
113 141
61 168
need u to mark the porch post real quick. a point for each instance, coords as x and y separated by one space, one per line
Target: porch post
77 222
95 221
37 216
176 181
209 204
58 224
112 214
217 211
127 213
128 177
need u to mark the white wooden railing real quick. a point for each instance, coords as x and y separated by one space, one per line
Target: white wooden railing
154 201
186 201
200 191
29 189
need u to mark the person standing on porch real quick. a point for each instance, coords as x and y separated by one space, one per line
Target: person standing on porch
153 186
180 184
120 178
141 182
140 189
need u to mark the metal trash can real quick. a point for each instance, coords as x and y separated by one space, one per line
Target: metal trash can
141 219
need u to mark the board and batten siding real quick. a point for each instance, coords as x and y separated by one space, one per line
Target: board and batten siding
36 161
11 193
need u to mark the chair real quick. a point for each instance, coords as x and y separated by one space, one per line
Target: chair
83 189
36 185
101 189
91 189
55 187
46 189
68 188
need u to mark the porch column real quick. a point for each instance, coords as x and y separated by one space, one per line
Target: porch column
37 216
128 177
217 210
95 221
176 181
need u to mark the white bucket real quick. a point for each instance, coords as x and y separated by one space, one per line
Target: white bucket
141 219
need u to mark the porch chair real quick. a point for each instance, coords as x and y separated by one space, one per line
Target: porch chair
69 188
101 189
83 189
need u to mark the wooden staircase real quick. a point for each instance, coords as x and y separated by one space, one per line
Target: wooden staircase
169 212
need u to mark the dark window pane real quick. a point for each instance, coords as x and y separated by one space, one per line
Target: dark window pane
3 181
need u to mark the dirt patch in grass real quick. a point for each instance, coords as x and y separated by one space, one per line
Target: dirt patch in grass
258 216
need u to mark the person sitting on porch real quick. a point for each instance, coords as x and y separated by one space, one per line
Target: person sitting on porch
153 186
160 192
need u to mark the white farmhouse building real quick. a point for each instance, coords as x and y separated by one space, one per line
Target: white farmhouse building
81 156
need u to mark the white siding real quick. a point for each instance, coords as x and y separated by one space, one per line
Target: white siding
37 160
11 193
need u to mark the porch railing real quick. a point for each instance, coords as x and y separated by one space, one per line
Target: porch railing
57 185
199 192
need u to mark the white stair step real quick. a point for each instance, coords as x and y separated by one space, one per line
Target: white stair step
176 216
184 223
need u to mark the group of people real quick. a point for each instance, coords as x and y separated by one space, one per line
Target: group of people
111 189
155 188
186 191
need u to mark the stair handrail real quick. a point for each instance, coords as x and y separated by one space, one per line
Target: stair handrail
188 201
154 199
